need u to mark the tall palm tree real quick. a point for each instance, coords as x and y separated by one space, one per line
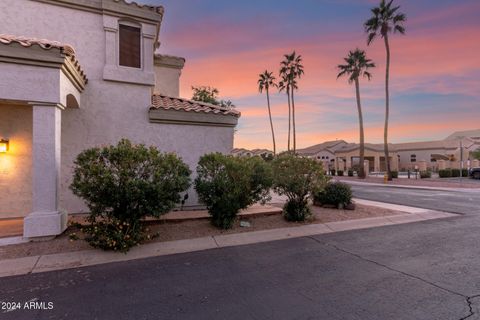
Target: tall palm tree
384 20
357 66
291 69
265 81
296 71
284 85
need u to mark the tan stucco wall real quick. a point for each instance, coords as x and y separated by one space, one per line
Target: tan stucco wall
16 164
108 110
167 81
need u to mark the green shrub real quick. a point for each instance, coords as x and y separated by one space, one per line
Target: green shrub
394 174
445 173
121 185
350 173
332 172
425 174
299 179
335 193
227 184
464 172
340 173
455 172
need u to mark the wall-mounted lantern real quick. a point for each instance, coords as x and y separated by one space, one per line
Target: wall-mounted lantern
4 144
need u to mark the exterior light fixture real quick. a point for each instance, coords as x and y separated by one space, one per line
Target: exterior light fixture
4 145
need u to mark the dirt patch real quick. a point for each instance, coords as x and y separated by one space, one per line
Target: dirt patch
169 231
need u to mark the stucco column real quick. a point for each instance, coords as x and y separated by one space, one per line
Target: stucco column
366 167
442 164
376 163
475 163
422 165
395 165
341 165
349 163
45 220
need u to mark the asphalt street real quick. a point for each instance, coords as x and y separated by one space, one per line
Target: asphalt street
460 201
425 270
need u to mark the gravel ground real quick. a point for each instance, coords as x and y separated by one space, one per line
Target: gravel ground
193 229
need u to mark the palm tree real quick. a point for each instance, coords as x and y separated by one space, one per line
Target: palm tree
357 66
291 69
296 71
285 85
384 20
265 81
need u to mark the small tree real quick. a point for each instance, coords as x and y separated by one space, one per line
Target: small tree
209 94
299 179
205 94
121 185
228 184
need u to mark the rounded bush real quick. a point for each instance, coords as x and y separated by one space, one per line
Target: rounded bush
350 173
298 178
334 193
340 173
227 184
394 174
296 210
445 173
455 172
425 174
121 185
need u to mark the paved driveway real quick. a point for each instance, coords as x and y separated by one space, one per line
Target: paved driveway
426 270
462 202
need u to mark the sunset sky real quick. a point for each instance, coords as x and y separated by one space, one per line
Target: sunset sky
435 68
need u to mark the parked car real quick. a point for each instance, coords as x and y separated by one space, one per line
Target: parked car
474 173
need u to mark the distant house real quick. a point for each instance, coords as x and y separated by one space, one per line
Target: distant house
324 152
97 79
403 156
241 152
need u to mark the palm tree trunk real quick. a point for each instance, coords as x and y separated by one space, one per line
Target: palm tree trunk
362 138
271 123
289 117
293 124
387 108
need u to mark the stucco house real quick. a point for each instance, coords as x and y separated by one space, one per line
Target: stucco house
77 74
323 152
241 152
422 155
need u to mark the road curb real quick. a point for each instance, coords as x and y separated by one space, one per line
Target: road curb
68 260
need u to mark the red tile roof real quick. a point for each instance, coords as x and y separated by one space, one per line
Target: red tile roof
45 44
157 9
167 103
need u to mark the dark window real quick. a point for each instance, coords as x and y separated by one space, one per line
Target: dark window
130 46
413 158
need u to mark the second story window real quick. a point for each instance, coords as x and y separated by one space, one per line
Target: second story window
413 158
129 46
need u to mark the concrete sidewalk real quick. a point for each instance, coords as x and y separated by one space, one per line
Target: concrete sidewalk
36 264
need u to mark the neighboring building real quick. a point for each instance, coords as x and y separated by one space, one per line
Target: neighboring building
95 81
324 152
403 156
241 152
